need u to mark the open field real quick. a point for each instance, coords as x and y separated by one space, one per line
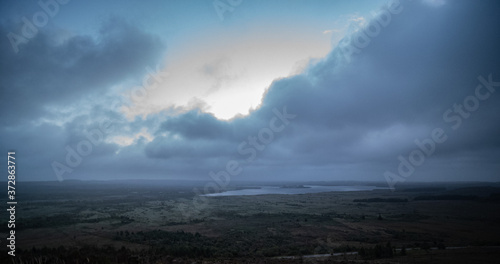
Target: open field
124 222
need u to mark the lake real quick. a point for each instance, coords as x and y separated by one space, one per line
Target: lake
290 190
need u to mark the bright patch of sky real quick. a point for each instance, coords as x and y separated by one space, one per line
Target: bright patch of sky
223 65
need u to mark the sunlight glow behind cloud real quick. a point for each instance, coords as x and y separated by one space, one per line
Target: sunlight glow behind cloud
230 75
124 141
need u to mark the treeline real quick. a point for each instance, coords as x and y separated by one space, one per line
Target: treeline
234 244
423 189
86 254
170 247
491 198
445 197
177 244
65 219
381 200
377 252
101 255
441 197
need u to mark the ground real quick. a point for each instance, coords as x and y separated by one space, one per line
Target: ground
145 223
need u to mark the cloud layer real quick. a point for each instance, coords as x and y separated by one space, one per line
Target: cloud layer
353 115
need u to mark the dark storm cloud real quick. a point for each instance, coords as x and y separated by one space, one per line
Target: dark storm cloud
398 88
49 80
353 116
45 73
195 124
369 110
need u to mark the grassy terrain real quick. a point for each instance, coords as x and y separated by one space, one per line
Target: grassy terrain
120 222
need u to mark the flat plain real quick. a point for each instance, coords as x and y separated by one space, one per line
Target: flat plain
157 222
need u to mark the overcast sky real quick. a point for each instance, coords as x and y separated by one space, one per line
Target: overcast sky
260 90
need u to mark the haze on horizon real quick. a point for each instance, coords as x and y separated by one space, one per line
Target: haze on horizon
263 90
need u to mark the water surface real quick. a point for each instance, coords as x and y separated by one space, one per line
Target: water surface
305 189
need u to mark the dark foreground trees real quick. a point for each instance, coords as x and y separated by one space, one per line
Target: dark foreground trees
376 252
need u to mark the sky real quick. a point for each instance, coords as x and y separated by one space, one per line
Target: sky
227 90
